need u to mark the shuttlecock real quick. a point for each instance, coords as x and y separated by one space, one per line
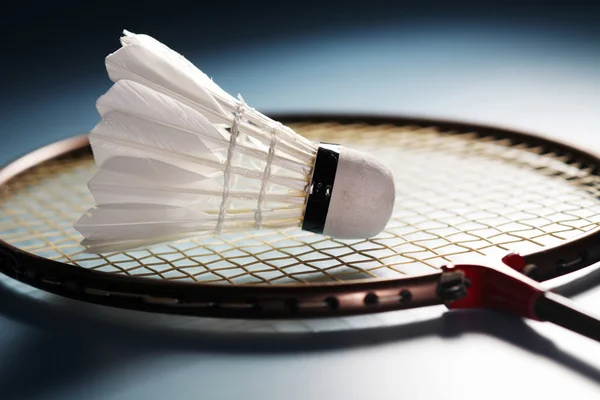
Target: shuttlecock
179 157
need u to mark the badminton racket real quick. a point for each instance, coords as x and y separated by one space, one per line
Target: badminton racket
482 216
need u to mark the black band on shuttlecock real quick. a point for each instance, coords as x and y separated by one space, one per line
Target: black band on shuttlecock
321 187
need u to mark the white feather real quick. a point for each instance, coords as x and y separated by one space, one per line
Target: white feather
175 59
145 60
169 167
141 221
125 179
155 223
135 114
143 65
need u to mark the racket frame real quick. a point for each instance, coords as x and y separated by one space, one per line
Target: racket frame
447 286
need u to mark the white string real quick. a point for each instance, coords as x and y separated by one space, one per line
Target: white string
258 217
239 114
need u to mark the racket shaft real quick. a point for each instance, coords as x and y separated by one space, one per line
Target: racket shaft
564 312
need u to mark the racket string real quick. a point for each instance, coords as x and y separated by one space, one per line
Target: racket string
458 194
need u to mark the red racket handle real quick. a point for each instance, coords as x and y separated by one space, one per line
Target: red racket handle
501 286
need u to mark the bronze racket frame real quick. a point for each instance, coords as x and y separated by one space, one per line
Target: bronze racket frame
287 301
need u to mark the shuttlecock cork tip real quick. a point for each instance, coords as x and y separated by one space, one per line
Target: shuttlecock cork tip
351 194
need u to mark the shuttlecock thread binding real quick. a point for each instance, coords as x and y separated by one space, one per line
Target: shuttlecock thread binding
266 174
237 120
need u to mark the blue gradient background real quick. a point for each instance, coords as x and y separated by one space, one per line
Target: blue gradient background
526 65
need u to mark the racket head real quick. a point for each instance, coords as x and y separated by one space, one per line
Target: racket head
463 190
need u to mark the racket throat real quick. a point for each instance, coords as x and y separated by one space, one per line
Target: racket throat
498 285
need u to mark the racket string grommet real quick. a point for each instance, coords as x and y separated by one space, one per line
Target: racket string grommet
529 270
405 296
51 280
332 303
573 263
30 274
292 305
254 305
9 263
453 285
73 286
371 299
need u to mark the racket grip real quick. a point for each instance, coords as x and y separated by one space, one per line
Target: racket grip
564 312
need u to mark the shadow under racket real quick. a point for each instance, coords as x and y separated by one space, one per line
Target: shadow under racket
79 332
